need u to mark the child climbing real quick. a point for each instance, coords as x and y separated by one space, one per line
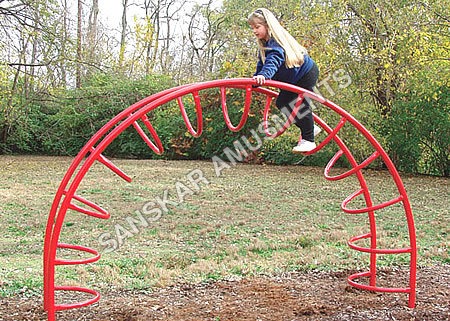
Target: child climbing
282 58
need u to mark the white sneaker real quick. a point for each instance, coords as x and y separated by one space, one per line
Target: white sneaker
304 146
317 130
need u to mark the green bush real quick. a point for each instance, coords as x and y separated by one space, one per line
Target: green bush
23 130
78 114
62 126
419 131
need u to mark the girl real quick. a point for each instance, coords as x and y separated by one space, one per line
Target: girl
282 58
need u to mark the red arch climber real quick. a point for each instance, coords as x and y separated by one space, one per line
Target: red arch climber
67 198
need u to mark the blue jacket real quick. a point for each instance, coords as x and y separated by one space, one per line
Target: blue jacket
275 68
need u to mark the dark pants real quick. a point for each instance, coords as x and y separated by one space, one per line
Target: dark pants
286 103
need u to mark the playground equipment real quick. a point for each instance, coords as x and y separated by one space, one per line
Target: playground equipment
66 197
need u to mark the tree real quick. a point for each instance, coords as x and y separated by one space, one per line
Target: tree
146 34
64 39
206 38
79 42
384 44
91 42
123 34
22 23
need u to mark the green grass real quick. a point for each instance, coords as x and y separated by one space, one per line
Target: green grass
252 219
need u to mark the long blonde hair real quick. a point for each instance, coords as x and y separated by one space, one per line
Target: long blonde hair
293 50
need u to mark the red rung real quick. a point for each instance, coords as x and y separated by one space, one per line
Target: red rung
102 159
198 109
99 212
248 100
372 250
338 155
289 121
366 209
157 147
67 306
269 99
371 287
330 136
93 259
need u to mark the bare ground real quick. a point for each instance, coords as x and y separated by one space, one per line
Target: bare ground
293 296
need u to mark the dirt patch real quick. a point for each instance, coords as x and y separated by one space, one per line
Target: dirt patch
293 296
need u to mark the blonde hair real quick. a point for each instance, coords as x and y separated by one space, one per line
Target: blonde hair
293 50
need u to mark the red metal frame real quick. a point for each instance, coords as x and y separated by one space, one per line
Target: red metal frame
66 194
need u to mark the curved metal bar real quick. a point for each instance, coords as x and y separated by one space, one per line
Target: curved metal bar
338 155
366 209
248 100
157 147
102 159
61 307
198 109
98 211
288 122
52 235
330 137
92 259
92 152
351 244
372 288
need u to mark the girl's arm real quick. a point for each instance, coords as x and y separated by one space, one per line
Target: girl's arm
259 66
274 60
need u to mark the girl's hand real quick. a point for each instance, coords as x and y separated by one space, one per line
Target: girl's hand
260 79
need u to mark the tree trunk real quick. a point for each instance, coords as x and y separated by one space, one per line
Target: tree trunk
92 31
64 35
123 33
79 43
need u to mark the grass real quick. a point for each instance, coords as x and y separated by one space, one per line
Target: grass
252 219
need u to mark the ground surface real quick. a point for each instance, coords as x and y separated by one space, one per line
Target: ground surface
237 250
294 296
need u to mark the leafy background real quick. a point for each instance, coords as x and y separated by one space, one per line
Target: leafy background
396 54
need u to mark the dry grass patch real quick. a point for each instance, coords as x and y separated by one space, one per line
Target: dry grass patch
252 219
